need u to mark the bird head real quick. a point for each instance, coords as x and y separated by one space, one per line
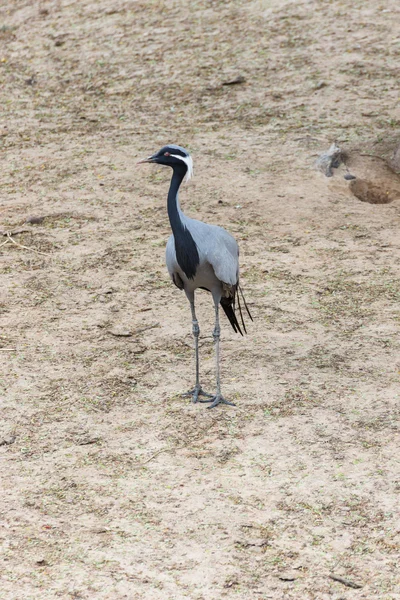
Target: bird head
173 156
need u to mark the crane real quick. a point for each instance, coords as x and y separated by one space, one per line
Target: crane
199 255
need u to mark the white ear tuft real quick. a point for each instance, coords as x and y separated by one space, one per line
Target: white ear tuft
189 163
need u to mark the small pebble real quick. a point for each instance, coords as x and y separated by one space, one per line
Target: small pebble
288 576
41 562
98 530
7 441
120 332
34 220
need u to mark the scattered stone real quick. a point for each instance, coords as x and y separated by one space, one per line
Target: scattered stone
329 160
349 176
35 220
86 440
98 530
138 348
236 81
7 440
288 576
230 583
119 331
41 562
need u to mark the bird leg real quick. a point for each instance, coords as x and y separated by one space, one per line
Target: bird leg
197 391
217 399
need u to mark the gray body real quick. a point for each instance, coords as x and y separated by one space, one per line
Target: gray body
218 251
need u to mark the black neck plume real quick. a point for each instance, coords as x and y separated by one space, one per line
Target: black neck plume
186 251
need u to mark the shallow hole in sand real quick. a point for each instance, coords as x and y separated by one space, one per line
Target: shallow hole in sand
374 193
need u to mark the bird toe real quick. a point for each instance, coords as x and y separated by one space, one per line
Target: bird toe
219 400
195 393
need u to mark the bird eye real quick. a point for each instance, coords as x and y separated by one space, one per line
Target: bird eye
167 154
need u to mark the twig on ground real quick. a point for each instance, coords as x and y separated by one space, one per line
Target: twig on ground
10 239
159 452
346 582
14 231
142 329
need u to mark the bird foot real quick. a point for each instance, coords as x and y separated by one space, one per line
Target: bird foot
196 392
218 399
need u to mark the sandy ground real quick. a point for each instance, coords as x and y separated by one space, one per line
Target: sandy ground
112 485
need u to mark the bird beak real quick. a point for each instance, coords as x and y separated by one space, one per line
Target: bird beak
145 160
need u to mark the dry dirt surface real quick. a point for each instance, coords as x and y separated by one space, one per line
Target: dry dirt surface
113 486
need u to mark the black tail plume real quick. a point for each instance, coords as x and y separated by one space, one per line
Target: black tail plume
245 303
229 306
240 312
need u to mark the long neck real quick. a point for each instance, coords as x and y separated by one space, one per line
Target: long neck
174 211
186 251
